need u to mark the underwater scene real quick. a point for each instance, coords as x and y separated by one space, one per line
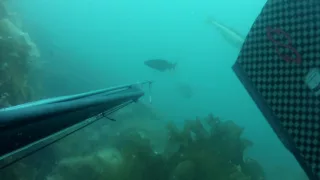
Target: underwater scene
195 122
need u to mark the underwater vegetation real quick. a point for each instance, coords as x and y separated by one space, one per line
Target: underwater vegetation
206 149
17 53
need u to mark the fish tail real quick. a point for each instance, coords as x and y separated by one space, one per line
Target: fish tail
174 66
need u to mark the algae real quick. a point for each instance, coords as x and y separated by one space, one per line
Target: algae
204 148
129 155
17 53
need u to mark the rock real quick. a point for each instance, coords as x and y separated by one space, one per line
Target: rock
20 40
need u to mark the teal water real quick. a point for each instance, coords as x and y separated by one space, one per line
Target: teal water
89 44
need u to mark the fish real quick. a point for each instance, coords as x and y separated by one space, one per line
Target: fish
185 90
160 64
230 35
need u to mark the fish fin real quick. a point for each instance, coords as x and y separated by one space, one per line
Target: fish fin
174 66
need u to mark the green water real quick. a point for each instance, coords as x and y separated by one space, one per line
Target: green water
88 44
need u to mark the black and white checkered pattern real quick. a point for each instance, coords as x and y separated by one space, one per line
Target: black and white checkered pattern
282 83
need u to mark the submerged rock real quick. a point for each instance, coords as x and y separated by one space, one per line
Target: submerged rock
96 166
19 41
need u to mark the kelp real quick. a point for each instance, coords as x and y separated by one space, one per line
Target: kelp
204 149
218 155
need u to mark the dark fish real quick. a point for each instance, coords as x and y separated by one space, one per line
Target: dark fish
51 53
160 65
185 90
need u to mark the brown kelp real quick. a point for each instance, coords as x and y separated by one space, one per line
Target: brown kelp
204 149
215 154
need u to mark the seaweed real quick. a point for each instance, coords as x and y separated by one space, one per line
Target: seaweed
210 150
206 149
217 156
